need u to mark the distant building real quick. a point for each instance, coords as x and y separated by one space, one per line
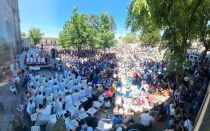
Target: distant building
49 41
10 25
26 41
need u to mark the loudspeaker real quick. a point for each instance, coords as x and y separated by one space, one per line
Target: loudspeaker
53 51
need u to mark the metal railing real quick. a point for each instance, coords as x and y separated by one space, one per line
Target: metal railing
202 111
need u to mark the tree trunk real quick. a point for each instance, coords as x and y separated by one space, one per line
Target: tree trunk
178 79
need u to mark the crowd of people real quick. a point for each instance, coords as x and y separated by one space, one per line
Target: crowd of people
34 57
128 81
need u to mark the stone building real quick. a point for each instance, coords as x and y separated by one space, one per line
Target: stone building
26 41
10 25
49 41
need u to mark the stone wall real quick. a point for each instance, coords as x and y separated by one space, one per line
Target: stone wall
10 25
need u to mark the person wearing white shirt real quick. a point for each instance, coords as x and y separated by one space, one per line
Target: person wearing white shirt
37 55
56 76
68 123
27 60
64 79
49 98
37 77
31 60
39 60
172 110
43 79
82 94
34 60
146 119
65 90
75 96
55 87
36 84
58 93
33 80
80 112
39 89
70 84
187 124
106 103
58 106
39 99
73 76
30 107
48 90
74 88
60 77
50 82
29 85
68 77
55 80
88 91
86 128
79 78
62 85
43 60
68 100
28 55
45 84
17 78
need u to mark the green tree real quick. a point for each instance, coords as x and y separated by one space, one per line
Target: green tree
130 37
59 125
93 31
202 26
175 17
35 35
23 34
105 34
113 24
150 34
75 31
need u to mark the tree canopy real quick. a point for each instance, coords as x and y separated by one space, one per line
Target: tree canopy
150 34
177 19
202 26
129 38
106 34
23 34
35 35
83 30
75 31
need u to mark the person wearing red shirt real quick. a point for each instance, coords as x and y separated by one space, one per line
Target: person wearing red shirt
109 94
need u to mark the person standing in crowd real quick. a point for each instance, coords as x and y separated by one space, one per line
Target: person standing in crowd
146 120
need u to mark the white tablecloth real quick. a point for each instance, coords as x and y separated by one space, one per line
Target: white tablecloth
34 68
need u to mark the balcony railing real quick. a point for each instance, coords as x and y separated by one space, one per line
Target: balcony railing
202 111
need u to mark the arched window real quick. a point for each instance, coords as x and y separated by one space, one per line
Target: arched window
10 37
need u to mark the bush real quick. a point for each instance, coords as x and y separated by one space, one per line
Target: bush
59 125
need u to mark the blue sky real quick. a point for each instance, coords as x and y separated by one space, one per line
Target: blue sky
50 15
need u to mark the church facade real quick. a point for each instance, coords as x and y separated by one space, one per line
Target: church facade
10 25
